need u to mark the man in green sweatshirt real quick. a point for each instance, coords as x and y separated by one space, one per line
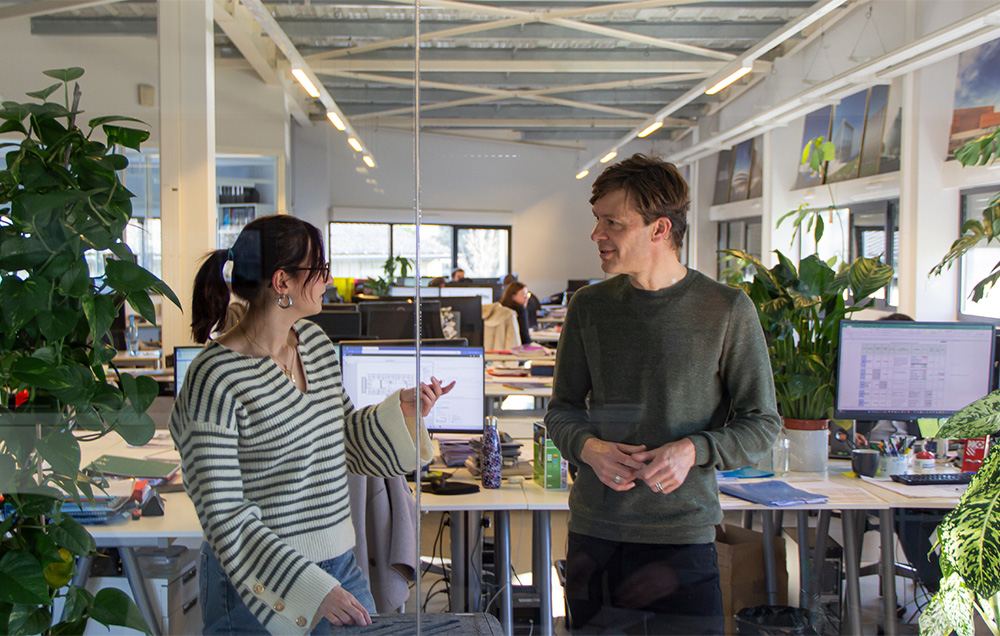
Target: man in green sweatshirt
662 377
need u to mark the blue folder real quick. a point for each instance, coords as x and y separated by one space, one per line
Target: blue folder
771 493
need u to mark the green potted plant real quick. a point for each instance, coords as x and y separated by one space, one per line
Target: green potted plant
800 310
61 199
969 537
380 286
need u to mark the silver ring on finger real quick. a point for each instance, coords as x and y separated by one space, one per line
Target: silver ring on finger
618 479
658 487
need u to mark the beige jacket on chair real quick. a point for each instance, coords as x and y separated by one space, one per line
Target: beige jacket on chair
499 328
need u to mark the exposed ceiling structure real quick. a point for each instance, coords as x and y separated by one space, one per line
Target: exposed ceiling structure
569 70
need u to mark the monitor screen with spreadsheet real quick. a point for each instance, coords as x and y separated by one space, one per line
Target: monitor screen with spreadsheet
182 360
898 370
372 372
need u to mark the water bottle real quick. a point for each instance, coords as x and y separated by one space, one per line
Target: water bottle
779 453
490 464
132 336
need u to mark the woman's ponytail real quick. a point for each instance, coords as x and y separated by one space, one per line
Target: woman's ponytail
210 298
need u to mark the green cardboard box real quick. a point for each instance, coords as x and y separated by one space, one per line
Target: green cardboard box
551 471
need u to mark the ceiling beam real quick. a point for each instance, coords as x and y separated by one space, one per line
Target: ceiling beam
636 67
576 25
45 7
818 11
294 59
525 17
541 122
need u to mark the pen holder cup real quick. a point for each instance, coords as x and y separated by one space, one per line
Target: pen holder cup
893 464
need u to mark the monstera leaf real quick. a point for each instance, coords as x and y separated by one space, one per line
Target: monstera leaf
970 534
980 418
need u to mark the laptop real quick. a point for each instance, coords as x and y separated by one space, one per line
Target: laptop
182 360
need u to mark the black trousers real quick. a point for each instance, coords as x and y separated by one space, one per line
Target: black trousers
615 587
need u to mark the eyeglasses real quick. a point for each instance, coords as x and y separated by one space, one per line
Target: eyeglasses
324 270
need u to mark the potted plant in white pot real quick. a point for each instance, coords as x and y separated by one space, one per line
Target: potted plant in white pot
60 198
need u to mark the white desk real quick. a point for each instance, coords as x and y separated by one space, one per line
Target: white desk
545 335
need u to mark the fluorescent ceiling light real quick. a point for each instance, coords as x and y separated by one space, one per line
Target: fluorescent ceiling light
335 120
584 173
608 157
649 129
354 143
738 73
369 162
305 81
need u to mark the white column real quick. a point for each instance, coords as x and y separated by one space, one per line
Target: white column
187 152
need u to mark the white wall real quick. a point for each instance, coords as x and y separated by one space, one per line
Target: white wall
927 186
463 181
250 116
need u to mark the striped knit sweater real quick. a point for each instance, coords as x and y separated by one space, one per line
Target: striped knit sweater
265 466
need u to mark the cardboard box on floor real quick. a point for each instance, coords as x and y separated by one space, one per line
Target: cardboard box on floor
741 570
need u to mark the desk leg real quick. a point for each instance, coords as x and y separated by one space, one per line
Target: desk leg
501 557
851 623
770 575
83 565
130 565
459 561
888 552
819 550
541 549
805 565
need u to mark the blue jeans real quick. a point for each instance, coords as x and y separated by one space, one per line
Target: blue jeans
223 611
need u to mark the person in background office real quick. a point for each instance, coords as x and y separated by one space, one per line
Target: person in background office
437 281
458 275
662 377
266 436
515 296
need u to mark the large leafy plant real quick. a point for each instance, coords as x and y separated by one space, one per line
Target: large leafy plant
800 310
969 537
60 199
978 152
383 284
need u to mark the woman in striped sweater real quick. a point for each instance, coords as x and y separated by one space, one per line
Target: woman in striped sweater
267 434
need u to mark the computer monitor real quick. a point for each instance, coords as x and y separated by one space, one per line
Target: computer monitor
899 370
469 312
182 360
394 320
339 325
484 293
372 372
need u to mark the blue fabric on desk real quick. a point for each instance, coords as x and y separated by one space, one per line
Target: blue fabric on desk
747 472
771 493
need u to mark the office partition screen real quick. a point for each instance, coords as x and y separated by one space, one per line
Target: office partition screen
373 372
895 370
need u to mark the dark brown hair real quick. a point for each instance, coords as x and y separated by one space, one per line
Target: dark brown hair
507 300
263 247
654 188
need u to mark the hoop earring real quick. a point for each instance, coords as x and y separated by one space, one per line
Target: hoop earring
287 300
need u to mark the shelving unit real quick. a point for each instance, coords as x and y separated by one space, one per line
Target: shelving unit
247 189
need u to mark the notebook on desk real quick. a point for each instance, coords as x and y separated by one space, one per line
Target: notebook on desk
154 470
771 493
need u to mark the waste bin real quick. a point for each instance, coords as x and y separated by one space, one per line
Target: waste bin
772 620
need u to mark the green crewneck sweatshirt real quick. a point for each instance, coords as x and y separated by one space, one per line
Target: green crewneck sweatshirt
651 367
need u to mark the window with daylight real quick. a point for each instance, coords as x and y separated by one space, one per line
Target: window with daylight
358 250
875 234
744 235
978 263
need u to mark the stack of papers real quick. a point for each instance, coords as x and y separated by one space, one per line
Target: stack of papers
771 493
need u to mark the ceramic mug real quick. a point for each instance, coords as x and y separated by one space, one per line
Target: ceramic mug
864 462
893 464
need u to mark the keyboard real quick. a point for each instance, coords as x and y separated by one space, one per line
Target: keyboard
934 479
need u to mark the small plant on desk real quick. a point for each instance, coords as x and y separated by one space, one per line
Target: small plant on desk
62 206
969 537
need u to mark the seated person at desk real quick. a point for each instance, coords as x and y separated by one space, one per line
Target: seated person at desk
266 436
662 377
515 296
